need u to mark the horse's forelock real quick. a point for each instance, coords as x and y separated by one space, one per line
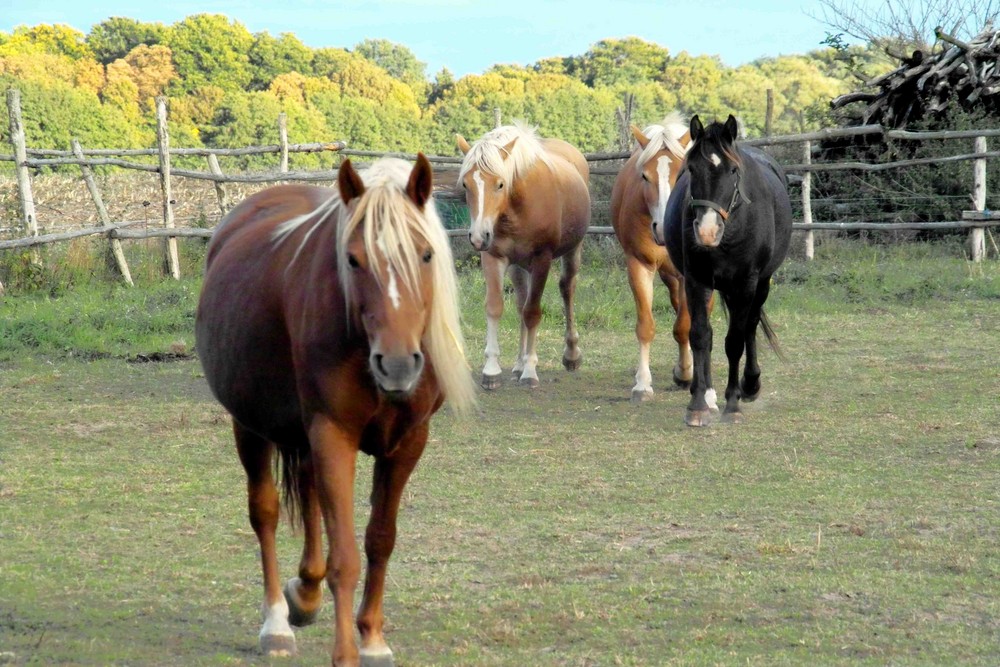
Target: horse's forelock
490 155
715 141
665 135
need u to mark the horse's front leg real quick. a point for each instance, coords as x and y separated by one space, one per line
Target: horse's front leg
684 368
388 481
521 280
334 454
739 308
640 279
493 270
572 356
531 315
751 372
698 297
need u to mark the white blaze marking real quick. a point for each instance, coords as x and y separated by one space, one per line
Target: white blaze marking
480 194
663 180
716 160
393 289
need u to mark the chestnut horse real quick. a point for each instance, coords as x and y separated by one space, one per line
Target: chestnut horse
638 197
328 325
529 202
728 226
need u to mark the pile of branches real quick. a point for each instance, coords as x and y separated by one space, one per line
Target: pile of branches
925 84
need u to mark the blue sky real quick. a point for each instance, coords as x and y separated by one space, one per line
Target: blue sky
468 36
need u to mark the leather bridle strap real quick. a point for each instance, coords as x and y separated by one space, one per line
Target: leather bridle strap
724 212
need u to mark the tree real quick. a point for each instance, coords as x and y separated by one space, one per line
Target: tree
208 49
900 26
113 38
55 39
271 57
398 61
695 80
152 70
603 63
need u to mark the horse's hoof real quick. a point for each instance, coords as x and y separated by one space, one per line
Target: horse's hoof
749 395
682 383
642 395
698 417
278 646
377 658
531 383
491 382
680 380
572 364
732 417
296 615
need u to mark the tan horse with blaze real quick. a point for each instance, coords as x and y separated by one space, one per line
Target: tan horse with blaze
529 202
640 195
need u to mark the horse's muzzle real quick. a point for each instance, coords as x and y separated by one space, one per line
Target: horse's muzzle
708 229
396 375
658 234
481 242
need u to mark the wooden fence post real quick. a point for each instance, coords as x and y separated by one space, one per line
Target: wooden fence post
220 189
283 140
769 113
496 117
21 169
807 213
102 213
977 237
163 143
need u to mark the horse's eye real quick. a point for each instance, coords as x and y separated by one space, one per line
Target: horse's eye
427 256
645 177
500 185
353 261
464 186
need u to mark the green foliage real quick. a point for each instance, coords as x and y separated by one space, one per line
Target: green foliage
112 38
615 61
270 57
209 49
398 61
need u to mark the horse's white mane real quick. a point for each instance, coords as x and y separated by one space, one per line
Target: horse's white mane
665 135
488 153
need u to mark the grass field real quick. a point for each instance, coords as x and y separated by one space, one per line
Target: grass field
854 518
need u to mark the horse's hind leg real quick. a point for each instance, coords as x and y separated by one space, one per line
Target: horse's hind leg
304 593
256 454
572 356
684 369
740 307
389 478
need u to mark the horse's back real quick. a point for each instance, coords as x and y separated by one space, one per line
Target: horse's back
776 180
570 154
241 333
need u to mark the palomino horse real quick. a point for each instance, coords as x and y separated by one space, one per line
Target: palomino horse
728 226
640 196
328 325
529 204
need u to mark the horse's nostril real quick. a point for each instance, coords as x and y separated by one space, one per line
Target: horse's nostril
378 364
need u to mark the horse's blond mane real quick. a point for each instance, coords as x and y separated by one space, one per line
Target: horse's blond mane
665 135
488 153
391 226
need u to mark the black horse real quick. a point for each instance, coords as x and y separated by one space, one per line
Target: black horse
727 227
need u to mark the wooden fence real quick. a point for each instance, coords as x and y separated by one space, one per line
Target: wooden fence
607 163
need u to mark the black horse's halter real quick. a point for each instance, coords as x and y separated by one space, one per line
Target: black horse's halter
724 213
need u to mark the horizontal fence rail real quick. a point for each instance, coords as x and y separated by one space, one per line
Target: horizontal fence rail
606 163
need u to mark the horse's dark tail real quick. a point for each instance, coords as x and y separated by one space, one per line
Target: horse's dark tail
772 338
296 473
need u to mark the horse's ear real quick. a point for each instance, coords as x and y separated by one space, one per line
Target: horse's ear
349 182
696 129
639 136
732 128
463 145
509 147
421 182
